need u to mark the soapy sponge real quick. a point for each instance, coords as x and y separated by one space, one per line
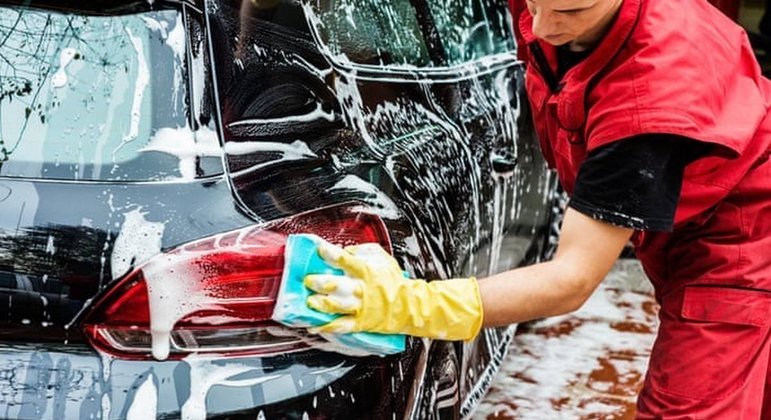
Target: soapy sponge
301 258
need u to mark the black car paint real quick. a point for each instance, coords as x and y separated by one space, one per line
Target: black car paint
469 161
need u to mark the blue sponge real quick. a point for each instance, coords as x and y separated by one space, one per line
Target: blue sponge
301 258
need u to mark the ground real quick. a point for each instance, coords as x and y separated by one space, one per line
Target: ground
586 365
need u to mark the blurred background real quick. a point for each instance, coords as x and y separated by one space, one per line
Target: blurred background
749 14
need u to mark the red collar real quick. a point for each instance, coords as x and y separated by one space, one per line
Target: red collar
571 104
617 35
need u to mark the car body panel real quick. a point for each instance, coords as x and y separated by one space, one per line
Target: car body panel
304 117
74 382
54 258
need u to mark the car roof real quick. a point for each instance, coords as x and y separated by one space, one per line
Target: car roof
105 7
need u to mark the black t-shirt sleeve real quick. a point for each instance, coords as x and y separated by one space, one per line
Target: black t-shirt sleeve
635 182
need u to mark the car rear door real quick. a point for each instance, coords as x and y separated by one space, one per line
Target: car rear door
411 108
408 107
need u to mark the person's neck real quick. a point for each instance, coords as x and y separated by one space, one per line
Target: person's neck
593 37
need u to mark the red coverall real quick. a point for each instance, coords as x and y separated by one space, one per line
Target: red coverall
682 68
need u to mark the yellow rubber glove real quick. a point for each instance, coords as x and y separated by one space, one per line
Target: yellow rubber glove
374 296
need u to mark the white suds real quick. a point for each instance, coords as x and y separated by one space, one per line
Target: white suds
186 145
137 241
386 208
50 248
60 79
145 403
205 373
316 114
295 150
142 80
173 290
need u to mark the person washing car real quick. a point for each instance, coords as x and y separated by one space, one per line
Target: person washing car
655 115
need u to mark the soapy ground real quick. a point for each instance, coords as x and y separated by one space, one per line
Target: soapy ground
586 365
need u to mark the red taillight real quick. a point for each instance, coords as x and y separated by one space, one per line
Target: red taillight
217 294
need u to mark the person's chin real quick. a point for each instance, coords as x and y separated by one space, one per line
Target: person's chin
557 40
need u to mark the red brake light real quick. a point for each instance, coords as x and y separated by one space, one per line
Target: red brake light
217 294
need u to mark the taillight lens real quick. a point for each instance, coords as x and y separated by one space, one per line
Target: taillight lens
217 294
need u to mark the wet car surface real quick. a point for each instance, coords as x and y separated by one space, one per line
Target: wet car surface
132 131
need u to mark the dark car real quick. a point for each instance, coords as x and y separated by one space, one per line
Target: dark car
151 150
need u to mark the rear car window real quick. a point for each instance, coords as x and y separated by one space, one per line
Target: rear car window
85 97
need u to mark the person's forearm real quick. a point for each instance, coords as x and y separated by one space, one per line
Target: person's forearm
585 254
533 292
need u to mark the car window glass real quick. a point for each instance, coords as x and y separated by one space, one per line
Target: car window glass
94 97
380 32
472 29
267 66
413 32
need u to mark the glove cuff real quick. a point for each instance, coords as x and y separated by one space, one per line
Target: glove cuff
452 310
